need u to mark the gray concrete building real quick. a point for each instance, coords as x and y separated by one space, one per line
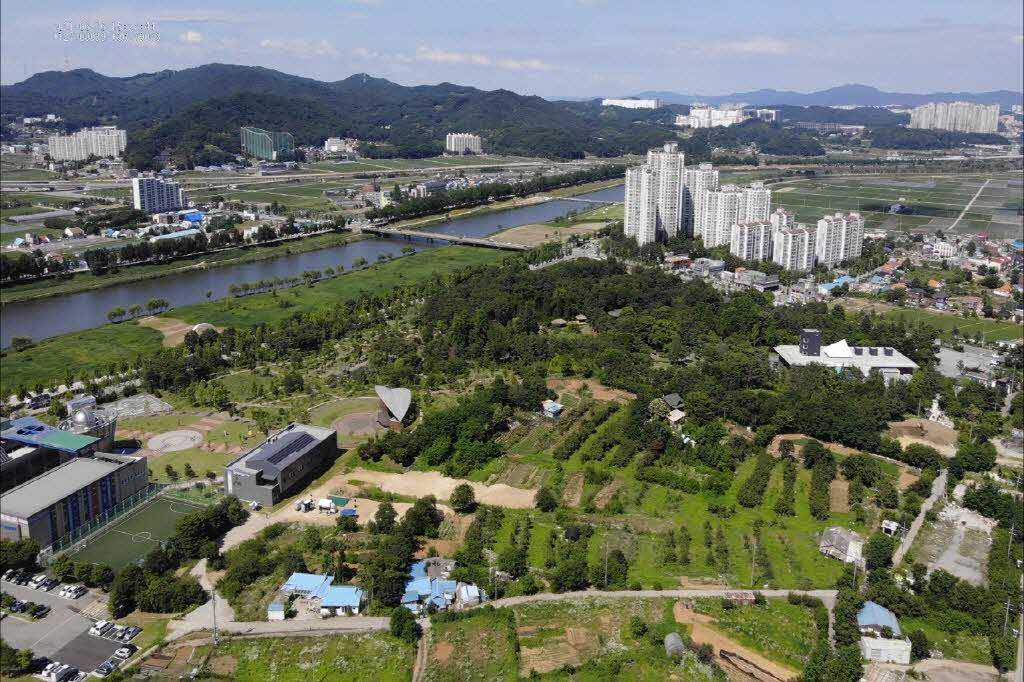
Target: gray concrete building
889 362
63 499
282 464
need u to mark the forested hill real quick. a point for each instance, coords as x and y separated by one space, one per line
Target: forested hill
195 113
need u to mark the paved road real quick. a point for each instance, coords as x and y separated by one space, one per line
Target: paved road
938 490
179 628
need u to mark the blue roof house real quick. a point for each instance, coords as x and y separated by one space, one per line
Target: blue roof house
307 585
873 617
341 599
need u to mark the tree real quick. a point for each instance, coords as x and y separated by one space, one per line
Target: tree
545 500
14 662
879 550
918 645
404 625
385 517
462 499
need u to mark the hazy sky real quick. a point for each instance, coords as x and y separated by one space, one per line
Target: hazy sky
549 47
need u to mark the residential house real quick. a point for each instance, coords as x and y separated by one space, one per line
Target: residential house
843 544
551 409
341 599
882 641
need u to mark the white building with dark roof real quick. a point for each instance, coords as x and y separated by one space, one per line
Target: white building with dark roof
889 362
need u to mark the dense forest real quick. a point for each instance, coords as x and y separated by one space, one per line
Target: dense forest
913 138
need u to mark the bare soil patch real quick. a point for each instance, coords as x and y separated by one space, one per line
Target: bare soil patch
538 233
839 495
925 432
223 665
597 389
423 483
443 651
572 494
358 424
605 494
907 479
173 329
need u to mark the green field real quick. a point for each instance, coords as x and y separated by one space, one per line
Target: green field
131 538
993 330
987 203
480 647
784 632
9 237
345 658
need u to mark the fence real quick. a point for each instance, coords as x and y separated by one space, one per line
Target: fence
97 524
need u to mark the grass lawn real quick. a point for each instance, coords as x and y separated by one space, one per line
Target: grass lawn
9 237
481 647
783 632
229 435
89 350
96 348
956 645
21 210
326 414
375 279
344 658
993 330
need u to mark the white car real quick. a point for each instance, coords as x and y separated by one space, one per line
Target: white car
100 628
37 581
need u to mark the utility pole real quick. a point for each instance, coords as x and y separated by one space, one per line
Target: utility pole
216 638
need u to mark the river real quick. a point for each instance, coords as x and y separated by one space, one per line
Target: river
65 314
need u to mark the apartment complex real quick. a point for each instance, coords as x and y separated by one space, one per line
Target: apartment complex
696 182
710 117
102 142
462 143
751 240
341 145
154 195
267 145
839 237
964 117
793 247
730 205
654 198
632 103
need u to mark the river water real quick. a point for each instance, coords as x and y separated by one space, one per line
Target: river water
64 314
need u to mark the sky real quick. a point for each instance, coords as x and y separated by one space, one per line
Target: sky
552 48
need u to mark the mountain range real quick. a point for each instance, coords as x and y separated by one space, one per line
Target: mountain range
862 95
194 111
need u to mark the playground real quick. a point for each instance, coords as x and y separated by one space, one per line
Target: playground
133 536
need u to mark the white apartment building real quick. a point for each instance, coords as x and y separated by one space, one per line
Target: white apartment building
632 103
793 246
781 218
944 249
751 240
964 117
460 143
102 142
654 198
730 205
710 117
696 181
153 195
839 237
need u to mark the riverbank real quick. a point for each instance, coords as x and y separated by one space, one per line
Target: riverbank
86 281
95 349
508 204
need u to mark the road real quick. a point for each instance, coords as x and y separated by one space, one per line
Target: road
968 206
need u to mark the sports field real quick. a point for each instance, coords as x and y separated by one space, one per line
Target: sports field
963 204
966 327
131 538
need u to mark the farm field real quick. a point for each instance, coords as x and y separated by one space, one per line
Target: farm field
649 509
480 646
343 658
783 632
951 203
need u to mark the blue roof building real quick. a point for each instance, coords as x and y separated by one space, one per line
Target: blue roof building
307 584
342 598
874 617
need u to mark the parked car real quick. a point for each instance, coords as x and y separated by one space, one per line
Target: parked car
132 632
22 578
126 652
48 584
105 668
40 611
37 581
9 573
18 606
115 632
100 628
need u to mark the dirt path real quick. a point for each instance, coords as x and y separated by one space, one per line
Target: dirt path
572 494
597 389
423 483
173 329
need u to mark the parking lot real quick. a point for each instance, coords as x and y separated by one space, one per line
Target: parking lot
63 635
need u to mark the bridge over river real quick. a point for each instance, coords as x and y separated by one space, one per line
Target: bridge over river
431 236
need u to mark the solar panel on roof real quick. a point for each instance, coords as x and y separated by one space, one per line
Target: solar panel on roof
293 445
